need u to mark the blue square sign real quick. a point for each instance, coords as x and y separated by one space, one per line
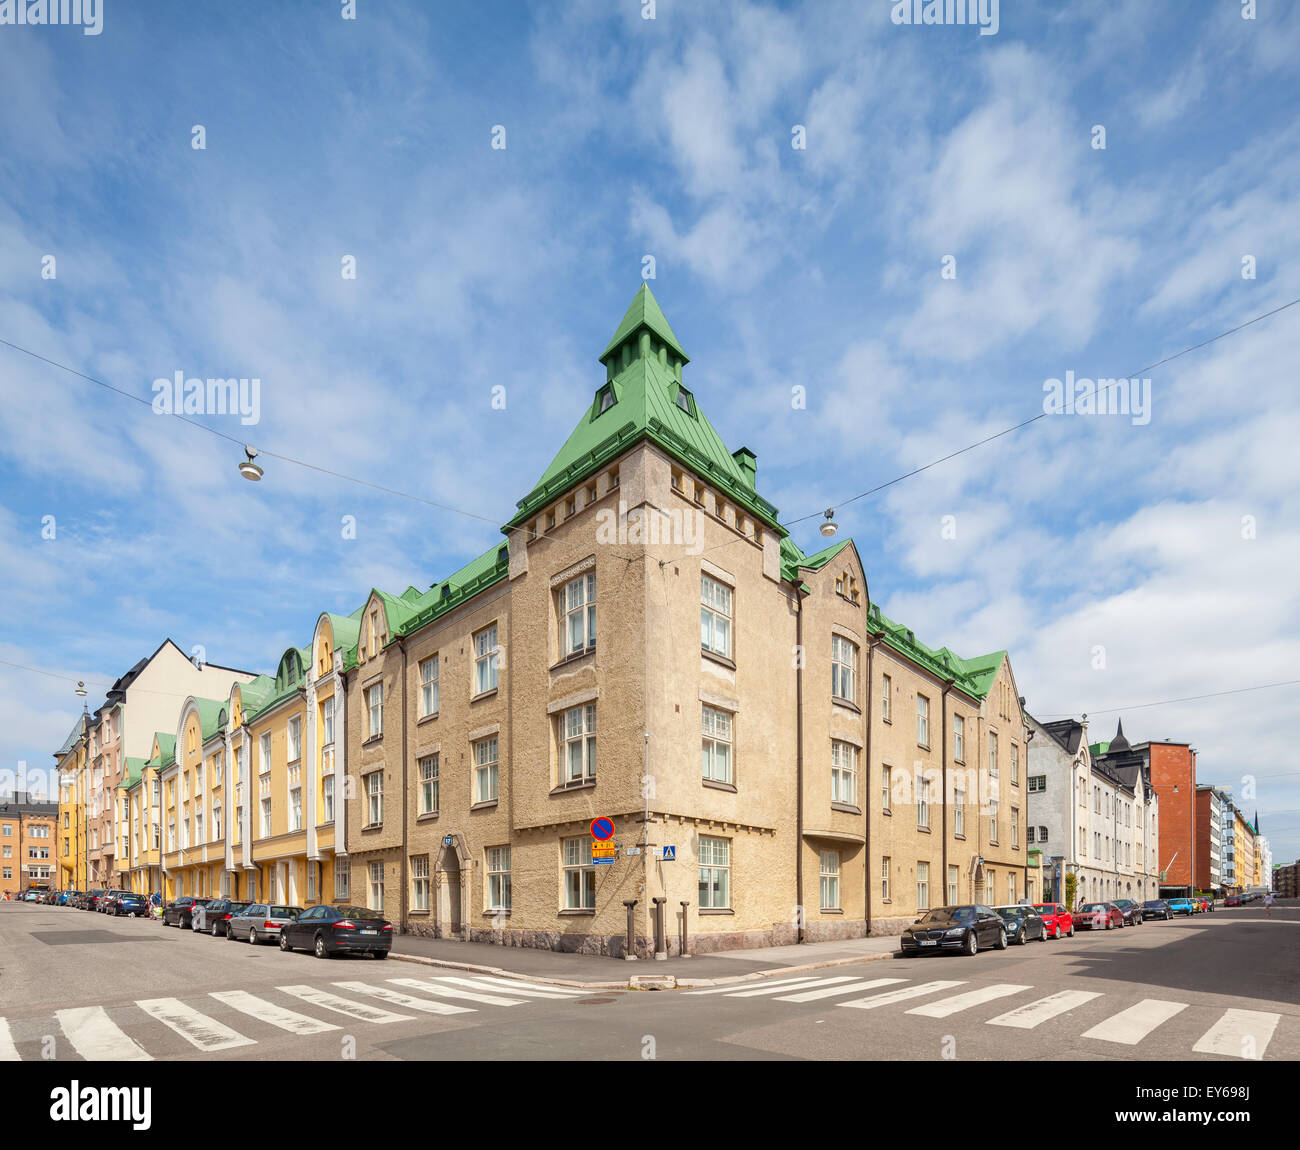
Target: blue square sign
670 854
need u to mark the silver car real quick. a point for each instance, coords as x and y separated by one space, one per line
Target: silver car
261 922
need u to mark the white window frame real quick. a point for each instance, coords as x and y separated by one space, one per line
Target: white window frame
342 881
844 669
844 772
264 816
922 800
375 887
1015 764
579 881
954 877
264 753
922 886
295 808
375 709
922 720
959 811
578 745
717 607
486 769
429 686
578 615
714 880
497 867
429 767
487 657
886 787
829 884
327 722
375 799
717 745
419 883
327 798
959 738
993 754
886 685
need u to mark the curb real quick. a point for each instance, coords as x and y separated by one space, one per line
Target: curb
632 982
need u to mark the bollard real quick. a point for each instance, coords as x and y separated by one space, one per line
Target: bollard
630 956
661 943
686 951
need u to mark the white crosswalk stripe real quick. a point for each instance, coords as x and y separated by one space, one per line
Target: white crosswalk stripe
269 1012
1130 1026
871 1002
812 984
361 1010
1239 1034
97 1038
431 986
730 989
8 1051
835 991
200 1030
1036 1013
959 1002
409 1001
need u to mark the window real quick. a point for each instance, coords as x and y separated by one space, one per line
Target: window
485 770
1083 841
420 883
376 886
8 851
1096 844
498 876
606 399
578 626
185 834
884 878
715 873
9 830
993 755
579 745
185 785
1011 888
952 885
234 828
294 752
959 811
715 616
844 669
375 798
429 785
683 399
922 801
429 687
1029 834
922 720
830 880
266 817
993 820
171 834
886 787
486 656
579 875
341 882
1036 783
327 716
922 886
264 758
216 822
295 809
1015 828
959 738
375 708
885 683
715 744
1015 765
327 798
1096 799
8 872
844 772
311 883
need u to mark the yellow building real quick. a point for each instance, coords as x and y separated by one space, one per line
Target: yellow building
72 765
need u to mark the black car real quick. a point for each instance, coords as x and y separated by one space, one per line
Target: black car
1156 908
214 917
128 903
1023 923
1132 911
93 898
180 911
331 930
960 928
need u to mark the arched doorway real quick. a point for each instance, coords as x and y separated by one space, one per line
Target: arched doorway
450 879
979 882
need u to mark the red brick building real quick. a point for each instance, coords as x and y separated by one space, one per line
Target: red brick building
1173 774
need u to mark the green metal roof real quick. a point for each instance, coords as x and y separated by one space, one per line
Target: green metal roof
210 711
477 575
793 559
132 768
166 751
973 676
646 407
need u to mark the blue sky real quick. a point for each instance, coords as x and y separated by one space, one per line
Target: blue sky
777 266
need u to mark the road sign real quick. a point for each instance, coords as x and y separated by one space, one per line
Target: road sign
602 852
632 851
448 840
670 854
602 828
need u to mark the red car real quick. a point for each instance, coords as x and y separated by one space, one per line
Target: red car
1057 918
1098 916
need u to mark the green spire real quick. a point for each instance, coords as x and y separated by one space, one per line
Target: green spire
643 312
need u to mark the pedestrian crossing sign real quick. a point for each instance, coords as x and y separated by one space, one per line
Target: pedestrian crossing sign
670 854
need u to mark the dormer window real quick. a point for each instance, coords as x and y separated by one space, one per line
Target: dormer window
684 400
605 399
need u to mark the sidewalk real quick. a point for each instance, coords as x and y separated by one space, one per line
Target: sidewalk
599 972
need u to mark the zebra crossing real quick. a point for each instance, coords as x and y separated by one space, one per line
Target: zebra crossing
1243 1034
93 1034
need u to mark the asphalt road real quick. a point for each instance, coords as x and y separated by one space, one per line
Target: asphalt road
1220 987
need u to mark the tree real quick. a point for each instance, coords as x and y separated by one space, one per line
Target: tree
1071 886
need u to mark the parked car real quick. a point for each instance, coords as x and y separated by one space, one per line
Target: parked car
93 897
110 897
1098 916
1207 903
128 903
180 911
1156 908
32 896
1232 900
1058 920
331 930
66 897
214 917
1181 906
1132 911
260 922
963 928
1023 923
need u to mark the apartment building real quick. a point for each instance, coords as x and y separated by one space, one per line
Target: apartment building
1096 817
1209 838
72 769
805 769
28 844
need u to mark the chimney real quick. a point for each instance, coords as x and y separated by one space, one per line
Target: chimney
748 463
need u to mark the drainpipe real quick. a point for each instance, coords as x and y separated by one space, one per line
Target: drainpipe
872 640
1029 734
401 862
943 760
798 773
